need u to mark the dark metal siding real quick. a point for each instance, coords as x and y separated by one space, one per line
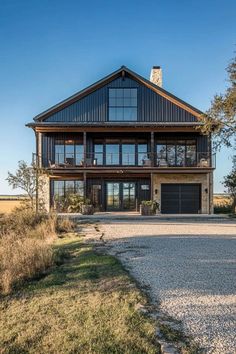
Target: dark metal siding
94 107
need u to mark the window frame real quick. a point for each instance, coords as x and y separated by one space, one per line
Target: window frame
122 107
74 143
175 143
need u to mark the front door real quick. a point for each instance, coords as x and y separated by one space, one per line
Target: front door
120 196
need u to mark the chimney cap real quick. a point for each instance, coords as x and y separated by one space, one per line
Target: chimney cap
156 67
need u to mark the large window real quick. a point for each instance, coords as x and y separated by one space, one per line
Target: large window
62 190
112 154
123 104
142 153
128 154
125 152
176 153
69 152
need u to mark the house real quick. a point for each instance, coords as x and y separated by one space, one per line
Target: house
122 140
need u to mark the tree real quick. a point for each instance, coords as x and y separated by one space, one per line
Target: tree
25 178
230 183
220 119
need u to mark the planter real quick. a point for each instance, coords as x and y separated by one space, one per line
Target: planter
87 209
146 210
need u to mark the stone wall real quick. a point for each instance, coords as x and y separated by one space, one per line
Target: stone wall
156 75
44 192
203 179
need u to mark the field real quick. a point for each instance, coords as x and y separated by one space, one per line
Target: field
222 203
9 202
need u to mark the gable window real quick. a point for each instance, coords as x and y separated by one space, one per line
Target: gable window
122 104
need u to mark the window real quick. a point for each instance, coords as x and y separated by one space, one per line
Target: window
191 153
128 154
98 154
69 151
142 154
63 189
79 154
123 104
112 154
145 187
59 152
178 153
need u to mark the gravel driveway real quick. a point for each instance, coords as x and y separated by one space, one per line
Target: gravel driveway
189 268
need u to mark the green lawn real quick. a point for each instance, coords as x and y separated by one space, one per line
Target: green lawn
85 304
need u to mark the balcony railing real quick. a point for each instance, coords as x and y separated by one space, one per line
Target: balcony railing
198 160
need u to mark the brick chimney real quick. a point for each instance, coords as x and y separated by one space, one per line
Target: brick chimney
156 76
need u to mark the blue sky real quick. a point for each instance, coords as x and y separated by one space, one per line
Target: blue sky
51 49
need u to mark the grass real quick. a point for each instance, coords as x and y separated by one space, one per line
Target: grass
85 304
25 246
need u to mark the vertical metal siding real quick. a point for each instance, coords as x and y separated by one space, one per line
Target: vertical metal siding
94 107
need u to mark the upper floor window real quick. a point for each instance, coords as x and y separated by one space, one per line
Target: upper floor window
69 152
122 104
176 153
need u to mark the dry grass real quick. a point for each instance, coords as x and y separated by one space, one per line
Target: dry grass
222 204
87 304
25 247
22 258
7 206
65 225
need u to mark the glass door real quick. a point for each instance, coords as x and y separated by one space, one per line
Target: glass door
128 196
113 196
120 196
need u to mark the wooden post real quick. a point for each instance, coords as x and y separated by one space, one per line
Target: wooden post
152 197
85 185
85 147
37 175
152 149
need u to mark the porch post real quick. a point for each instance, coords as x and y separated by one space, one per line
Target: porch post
152 149
85 147
85 185
152 197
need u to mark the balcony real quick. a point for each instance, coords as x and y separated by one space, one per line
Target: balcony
128 160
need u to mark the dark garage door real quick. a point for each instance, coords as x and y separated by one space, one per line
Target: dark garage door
180 198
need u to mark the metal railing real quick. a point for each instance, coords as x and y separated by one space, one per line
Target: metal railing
197 160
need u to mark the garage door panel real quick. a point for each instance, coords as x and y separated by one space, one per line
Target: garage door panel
180 198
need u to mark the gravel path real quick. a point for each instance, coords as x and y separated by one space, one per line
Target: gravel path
189 268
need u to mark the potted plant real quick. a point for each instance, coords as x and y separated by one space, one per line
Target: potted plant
87 208
149 207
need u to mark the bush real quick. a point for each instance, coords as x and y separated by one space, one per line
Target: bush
223 209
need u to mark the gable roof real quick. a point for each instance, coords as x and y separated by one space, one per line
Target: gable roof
122 71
